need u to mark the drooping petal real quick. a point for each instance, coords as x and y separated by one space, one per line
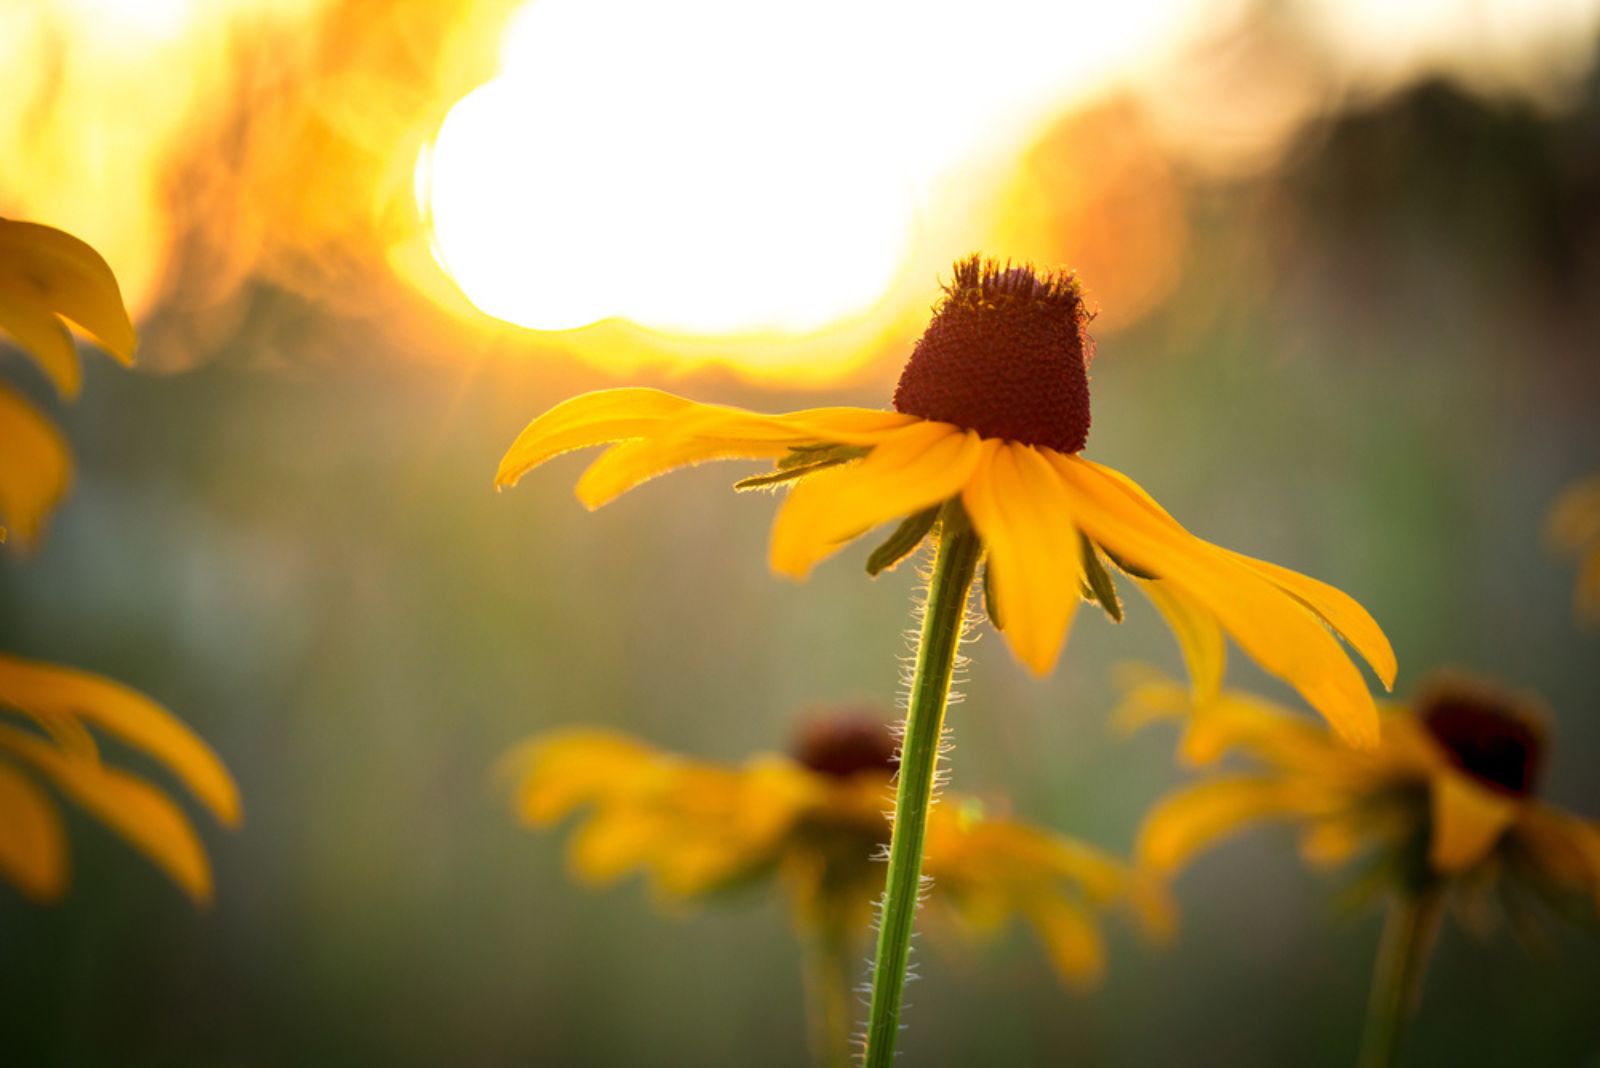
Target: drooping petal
1468 820
1339 610
597 418
132 807
33 850
1278 631
50 689
1071 937
1198 817
41 335
631 463
1019 507
70 278
912 468
35 467
556 773
1205 653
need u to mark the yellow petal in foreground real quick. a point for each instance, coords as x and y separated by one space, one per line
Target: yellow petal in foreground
52 690
1205 651
1468 820
46 270
33 852
135 809
1021 511
920 465
35 468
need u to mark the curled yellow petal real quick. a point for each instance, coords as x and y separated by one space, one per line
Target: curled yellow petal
910 469
630 463
598 418
1339 610
50 689
44 337
135 809
1019 507
1468 820
33 851
69 278
35 467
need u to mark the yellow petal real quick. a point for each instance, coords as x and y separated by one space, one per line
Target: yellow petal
1565 846
1070 935
1198 817
1018 506
624 466
1148 697
72 280
597 418
912 468
1468 820
1277 630
612 843
24 316
1575 519
135 809
557 772
35 467
1339 610
1205 653
49 689
33 851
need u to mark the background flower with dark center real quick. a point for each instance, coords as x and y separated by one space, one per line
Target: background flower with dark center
981 451
813 822
1446 803
47 711
1574 527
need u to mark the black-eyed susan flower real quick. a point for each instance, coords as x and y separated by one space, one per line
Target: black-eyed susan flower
46 276
1446 802
49 718
813 822
982 451
1574 527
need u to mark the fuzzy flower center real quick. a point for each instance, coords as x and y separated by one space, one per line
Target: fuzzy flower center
1007 355
1488 735
844 743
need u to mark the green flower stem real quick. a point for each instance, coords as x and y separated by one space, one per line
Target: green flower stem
828 960
942 623
1408 937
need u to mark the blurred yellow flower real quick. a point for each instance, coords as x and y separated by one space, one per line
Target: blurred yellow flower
46 713
47 276
1574 527
1449 794
816 823
991 412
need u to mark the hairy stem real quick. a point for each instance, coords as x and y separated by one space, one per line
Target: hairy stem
1408 937
953 570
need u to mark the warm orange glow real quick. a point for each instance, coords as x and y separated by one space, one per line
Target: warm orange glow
725 168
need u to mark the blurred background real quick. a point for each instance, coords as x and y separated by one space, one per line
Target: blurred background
1347 257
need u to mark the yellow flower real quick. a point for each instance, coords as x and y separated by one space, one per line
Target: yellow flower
46 713
1449 792
991 412
1574 527
46 275
816 823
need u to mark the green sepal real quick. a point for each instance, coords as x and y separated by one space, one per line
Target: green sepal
801 461
1127 568
903 542
1099 586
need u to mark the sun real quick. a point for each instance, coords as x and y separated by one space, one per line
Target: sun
716 168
